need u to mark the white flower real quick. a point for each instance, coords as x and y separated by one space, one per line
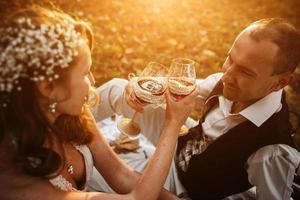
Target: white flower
21 20
56 76
2 87
9 87
44 28
29 39
38 47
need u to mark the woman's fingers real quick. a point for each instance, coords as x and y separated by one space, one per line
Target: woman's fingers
179 110
188 98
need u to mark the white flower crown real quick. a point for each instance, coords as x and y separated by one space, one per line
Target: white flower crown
33 52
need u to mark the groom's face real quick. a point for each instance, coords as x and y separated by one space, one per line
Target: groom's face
248 69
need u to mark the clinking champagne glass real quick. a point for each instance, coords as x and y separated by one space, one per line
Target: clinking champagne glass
182 80
148 88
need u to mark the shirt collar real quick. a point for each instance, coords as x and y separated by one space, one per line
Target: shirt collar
263 109
258 112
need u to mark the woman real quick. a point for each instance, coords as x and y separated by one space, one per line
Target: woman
49 139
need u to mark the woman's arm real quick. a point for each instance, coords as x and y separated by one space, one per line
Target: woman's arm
15 185
118 175
123 179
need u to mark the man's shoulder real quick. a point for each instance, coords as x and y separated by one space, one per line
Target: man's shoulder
215 77
208 84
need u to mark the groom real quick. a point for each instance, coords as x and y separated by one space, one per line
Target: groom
244 109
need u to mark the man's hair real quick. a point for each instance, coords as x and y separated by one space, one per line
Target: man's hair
285 36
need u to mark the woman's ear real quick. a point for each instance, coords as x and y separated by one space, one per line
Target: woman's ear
45 88
283 80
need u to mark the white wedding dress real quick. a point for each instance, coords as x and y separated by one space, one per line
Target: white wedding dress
63 184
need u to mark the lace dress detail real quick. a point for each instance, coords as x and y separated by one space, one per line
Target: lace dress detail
63 184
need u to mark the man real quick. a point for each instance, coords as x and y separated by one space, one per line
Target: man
244 109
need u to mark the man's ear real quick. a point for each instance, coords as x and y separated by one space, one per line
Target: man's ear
283 80
46 88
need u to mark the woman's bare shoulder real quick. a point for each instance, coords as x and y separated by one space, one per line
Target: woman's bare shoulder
16 185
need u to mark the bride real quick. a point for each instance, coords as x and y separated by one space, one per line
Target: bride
49 141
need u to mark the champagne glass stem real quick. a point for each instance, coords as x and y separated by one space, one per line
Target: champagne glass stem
129 127
133 117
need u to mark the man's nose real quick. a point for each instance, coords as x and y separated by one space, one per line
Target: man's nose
229 74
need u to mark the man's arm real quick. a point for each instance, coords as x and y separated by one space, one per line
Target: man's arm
271 169
112 100
115 98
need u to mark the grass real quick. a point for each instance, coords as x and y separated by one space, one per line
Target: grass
131 33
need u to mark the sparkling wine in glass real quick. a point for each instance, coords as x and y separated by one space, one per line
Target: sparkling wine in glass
182 77
182 80
148 88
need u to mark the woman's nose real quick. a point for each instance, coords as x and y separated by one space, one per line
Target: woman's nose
92 78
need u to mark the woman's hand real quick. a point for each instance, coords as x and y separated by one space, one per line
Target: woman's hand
178 110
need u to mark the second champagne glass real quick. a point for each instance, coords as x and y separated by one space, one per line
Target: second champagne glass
182 77
148 88
182 80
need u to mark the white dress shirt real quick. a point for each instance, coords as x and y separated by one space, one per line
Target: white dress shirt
220 119
271 169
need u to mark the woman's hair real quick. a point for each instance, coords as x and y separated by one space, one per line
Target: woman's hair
38 43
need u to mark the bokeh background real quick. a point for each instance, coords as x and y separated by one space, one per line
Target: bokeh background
131 33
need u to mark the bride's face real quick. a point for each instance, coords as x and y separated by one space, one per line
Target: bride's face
75 89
